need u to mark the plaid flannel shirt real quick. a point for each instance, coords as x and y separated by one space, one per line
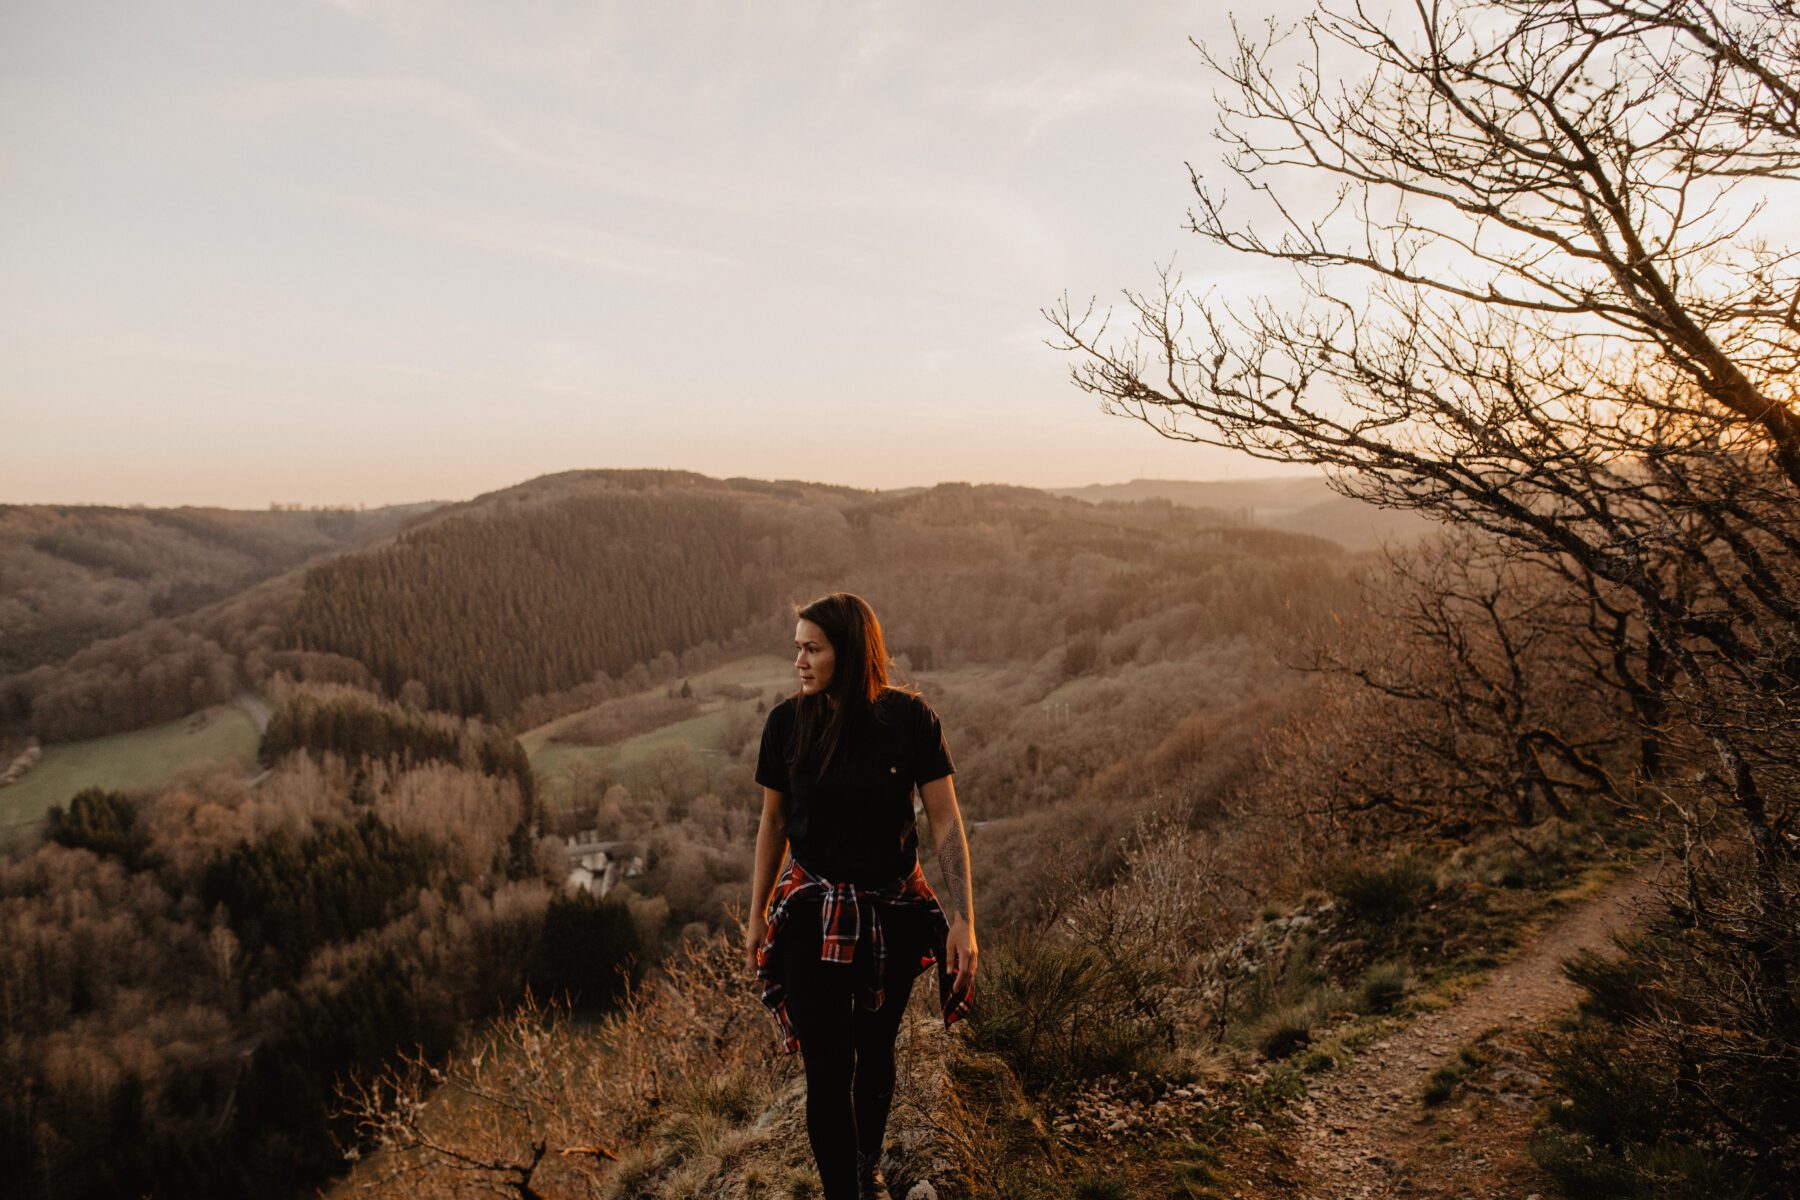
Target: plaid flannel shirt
850 922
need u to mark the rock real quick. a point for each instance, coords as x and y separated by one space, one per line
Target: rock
921 1190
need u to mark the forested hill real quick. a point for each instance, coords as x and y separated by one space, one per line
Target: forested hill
564 583
544 586
70 575
541 588
485 610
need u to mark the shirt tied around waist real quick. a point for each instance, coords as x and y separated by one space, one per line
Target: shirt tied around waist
851 933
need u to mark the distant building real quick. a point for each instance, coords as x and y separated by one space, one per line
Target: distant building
597 867
26 760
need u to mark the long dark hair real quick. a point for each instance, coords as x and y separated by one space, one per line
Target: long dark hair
858 677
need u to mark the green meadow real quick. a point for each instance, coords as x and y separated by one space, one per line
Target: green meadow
141 759
702 734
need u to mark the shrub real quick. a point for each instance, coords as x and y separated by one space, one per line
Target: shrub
1578 1166
1283 1030
1057 1013
1281 1007
1379 894
1665 1015
1441 1085
734 1097
636 1167
1613 987
1298 984
1099 1187
1382 987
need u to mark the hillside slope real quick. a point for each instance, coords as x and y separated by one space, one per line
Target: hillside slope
586 574
1304 504
70 575
518 592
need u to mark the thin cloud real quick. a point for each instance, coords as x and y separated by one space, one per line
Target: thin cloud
584 245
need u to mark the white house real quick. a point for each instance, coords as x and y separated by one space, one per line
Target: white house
596 866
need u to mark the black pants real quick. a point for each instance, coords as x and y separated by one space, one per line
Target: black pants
848 1050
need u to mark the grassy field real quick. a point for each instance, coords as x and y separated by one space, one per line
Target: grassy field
703 734
144 758
553 761
149 758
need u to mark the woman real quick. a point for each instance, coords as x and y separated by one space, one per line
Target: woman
852 921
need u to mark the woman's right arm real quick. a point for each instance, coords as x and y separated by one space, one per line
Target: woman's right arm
771 847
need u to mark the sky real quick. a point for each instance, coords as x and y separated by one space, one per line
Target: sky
377 251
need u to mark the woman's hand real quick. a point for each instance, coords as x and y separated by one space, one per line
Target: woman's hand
771 845
960 954
759 929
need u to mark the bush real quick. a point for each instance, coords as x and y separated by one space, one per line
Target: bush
1663 1015
735 1097
1583 1167
1280 1007
1380 894
1383 985
1578 1166
1282 1031
1613 988
1296 991
1441 1086
1099 1187
1058 1013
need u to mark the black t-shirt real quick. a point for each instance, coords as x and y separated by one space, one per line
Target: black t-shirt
856 824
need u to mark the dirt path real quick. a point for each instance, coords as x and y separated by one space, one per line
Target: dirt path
1364 1133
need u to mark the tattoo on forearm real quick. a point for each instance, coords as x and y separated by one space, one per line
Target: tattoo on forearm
953 859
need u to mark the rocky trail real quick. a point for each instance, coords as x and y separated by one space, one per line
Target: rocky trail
1366 1133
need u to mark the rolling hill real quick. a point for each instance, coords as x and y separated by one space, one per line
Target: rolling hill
1303 504
72 575
550 596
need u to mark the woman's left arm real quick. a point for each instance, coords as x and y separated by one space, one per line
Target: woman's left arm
957 897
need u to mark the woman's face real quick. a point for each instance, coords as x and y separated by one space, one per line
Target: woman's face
814 657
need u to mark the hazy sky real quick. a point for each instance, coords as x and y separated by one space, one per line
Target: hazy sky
386 250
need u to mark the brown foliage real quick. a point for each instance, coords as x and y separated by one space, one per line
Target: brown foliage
532 1106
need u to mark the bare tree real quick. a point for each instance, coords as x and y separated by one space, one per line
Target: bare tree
1535 299
1496 660
1532 306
